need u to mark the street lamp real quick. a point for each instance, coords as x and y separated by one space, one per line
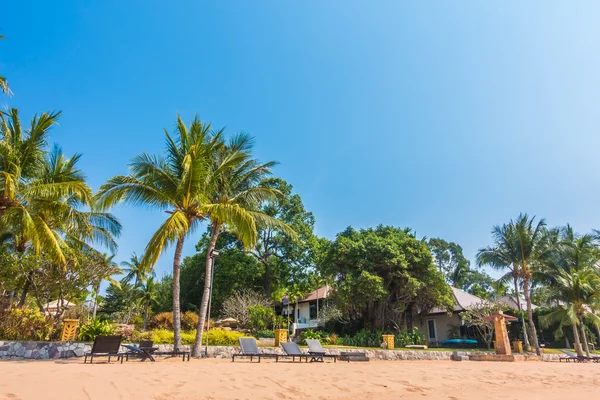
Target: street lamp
213 254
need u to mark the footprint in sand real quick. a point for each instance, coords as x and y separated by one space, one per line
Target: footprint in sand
11 396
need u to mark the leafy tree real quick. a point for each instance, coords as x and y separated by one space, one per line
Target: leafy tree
477 317
282 255
3 82
449 258
135 271
235 197
383 276
177 184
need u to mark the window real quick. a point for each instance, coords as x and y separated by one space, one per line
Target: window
313 310
431 329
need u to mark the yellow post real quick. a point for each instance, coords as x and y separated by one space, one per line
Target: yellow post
389 341
280 336
502 345
518 346
69 331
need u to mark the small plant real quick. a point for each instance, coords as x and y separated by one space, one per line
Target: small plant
164 320
264 334
89 331
309 334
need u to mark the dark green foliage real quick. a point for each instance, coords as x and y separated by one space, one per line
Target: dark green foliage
261 317
384 276
266 334
89 331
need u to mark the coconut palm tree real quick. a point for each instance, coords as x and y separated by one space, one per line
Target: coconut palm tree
572 275
3 82
106 267
503 255
177 184
235 194
524 245
147 296
135 271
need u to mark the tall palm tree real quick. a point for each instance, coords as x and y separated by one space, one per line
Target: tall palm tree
524 245
177 184
3 82
504 255
572 275
148 295
234 196
135 271
106 267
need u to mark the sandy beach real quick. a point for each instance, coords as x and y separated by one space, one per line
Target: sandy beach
222 379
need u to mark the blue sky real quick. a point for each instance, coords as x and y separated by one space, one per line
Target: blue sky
447 117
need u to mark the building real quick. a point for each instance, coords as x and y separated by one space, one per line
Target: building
304 313
438 325
511 302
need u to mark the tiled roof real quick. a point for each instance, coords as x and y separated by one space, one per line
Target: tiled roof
511 302
463 301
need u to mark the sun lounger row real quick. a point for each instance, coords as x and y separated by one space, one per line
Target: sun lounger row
575 358
110 346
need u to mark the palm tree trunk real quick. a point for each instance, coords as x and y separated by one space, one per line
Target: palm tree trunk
530 316
598 331
577 341
518 297
146 316
176 295
196 350
586 346
96 290
25 291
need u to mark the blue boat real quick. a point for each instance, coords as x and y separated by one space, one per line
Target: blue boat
461 342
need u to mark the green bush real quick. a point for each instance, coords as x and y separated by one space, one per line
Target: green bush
89 331
260 317
215 337
309 334
189 320
264 335
25 324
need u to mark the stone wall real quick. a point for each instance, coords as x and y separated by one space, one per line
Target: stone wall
43 350
53 350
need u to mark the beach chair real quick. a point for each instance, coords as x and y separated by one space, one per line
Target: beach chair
575 358
105 346
249 348
291 349
317 352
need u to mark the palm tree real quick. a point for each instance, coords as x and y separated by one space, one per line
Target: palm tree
3 83
235 194
148 295
175 184
106 267
135 270
503 255
572 275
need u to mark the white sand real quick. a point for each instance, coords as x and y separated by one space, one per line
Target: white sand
222 379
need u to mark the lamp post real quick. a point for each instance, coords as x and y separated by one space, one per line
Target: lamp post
213 254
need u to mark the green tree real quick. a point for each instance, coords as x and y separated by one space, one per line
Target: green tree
282 255
177 184
235 197
571 273
520 246
449 257
3 82
383 276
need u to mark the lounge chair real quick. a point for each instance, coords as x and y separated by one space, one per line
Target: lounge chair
249 348
292 350
105 346
575 358
135 351
317 352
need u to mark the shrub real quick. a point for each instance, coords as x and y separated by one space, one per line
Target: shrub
215 337
309 334
260 317
25 324
238 306
89 331
164 320
189 320
264 334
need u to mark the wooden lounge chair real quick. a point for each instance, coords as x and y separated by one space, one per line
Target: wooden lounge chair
105 346
249 348
143 353
317 352
292 350
575 358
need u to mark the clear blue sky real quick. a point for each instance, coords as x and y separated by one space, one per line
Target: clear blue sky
447 117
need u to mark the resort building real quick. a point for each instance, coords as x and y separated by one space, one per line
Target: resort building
511 303
438 325
304 313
